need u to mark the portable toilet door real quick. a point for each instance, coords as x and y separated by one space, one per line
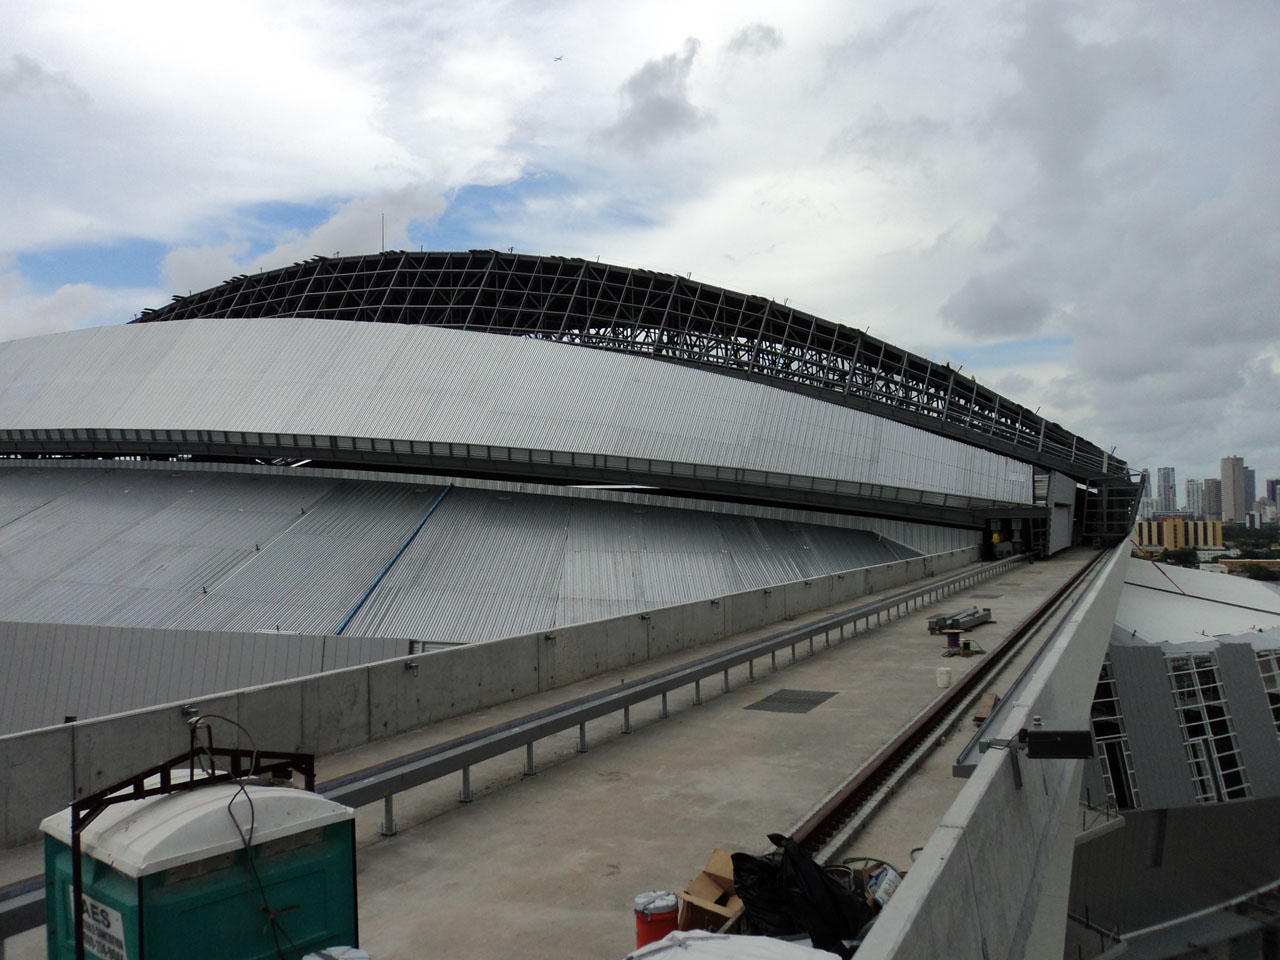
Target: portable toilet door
227 871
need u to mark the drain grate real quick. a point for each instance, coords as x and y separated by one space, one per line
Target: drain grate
792 701
986 596
1009 583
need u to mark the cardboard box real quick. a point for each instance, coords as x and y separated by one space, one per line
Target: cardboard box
710 901
878 881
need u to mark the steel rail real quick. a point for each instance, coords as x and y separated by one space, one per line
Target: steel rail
378 782
22 903
825 822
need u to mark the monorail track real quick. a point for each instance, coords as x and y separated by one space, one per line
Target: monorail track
833 821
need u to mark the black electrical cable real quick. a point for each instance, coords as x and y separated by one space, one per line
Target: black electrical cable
251 872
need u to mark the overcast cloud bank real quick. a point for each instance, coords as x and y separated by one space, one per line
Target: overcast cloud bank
950 176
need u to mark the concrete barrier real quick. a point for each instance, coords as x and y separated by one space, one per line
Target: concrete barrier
992 880
37 777
323 713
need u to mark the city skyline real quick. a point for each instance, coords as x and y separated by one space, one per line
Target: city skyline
1264 482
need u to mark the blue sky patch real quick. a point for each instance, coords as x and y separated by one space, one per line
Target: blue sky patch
128 263
262 224
484 217
1010 353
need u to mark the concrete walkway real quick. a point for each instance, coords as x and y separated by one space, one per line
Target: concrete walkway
547 866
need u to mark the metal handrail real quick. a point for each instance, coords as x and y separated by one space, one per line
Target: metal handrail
382 781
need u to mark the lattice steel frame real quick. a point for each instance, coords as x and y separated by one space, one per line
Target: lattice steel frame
658 315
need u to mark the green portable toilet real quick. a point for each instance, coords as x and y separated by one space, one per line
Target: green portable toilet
228 871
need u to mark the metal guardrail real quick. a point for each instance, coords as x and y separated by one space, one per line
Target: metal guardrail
22 904
383 781
21 908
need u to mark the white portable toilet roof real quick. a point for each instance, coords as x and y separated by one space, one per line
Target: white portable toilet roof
141 837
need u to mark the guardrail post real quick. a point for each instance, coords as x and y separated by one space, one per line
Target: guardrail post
724 684
465 795
663 713
773 659
388 817
626 719
582 738
697 693
811 644
529 769
751 669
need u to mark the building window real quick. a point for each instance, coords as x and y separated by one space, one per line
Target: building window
1109 731
1208 736
1269 667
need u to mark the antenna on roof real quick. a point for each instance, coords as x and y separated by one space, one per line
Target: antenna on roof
384 233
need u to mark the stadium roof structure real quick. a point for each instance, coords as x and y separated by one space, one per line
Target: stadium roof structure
664 316
451 402
338 532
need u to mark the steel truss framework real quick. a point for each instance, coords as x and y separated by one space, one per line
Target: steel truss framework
658 315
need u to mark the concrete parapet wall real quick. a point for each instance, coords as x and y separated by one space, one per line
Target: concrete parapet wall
42 771
991 882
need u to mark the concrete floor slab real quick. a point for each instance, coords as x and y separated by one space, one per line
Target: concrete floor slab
547 866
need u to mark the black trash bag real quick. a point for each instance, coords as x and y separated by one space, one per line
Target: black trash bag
756 881
818 903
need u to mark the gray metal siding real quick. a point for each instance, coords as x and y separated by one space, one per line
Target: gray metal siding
243 552
1062 500
1159 760
56 670
1251 716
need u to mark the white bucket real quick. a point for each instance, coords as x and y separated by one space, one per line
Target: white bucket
944 677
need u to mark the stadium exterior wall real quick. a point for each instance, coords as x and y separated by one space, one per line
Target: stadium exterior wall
326 389
42 771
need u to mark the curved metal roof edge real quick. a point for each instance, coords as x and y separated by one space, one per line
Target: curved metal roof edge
762 340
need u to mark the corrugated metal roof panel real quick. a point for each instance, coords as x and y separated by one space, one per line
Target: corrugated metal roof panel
56 671
283 375
488 563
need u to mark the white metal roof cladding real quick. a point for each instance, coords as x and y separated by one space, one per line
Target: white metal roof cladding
245 552
1170 604
239 576
330 378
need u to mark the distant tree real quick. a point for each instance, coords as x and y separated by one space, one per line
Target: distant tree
1182 557
1256 571
1238 535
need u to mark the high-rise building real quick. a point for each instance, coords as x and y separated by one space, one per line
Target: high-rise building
1147 503
1273 488
1250 487
1166 490
1195 499
1212 498
1234 504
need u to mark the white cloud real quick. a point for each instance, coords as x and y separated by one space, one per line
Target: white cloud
655 102
357 226
25 313
948 175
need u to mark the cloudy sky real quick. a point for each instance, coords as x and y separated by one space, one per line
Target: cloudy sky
1078 201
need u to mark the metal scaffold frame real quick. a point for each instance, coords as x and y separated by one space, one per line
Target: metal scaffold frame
671 318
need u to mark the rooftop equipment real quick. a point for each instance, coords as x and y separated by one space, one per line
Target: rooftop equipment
964 620
184 860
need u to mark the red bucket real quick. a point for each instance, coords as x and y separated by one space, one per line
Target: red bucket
656 915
